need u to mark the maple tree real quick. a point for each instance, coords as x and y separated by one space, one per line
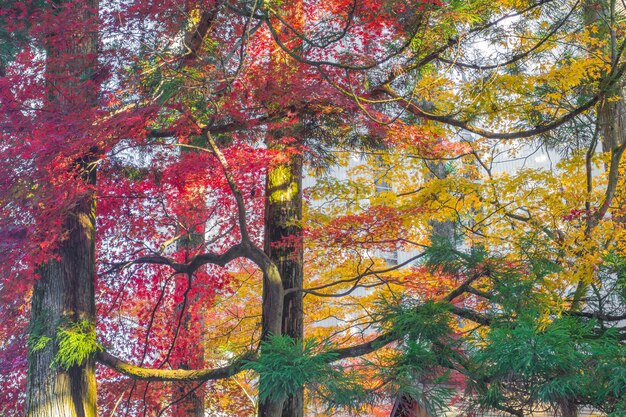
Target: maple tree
199 118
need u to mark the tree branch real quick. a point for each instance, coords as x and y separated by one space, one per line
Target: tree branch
193 39
190 267
418 111
611 187
241 207
150 374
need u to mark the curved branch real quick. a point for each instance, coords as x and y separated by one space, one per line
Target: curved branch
455 40
150 374
356 279
464 287
598 316
194 263
331 39
611 188
318 64
241 207
363 348
520 55
451 121
471 315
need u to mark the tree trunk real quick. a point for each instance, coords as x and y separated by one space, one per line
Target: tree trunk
273 300
283 206
283 245
63 295
612 120
568 409
611 111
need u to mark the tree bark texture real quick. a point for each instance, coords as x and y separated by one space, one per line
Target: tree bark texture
611 111
64 293
283 245
612 121
283 207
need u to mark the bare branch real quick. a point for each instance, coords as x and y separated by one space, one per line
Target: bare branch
355 279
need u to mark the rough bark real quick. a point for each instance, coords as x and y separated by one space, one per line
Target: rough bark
611 116
283 245
611 111
283 208
273 296
612 121
64 293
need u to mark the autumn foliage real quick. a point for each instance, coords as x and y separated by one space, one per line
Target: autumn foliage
426 264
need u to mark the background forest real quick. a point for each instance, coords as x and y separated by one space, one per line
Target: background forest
320 208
